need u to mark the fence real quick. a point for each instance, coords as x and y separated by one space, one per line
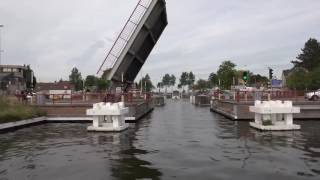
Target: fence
86 98
241 96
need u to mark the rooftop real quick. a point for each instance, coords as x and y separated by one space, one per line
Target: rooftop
14 66
65 85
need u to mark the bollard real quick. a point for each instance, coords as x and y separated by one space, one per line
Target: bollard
246 96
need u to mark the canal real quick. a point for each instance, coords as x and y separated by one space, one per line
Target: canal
178 141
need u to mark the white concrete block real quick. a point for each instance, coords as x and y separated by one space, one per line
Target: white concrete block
108 117
278 114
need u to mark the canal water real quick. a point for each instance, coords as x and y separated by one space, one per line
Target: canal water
178 141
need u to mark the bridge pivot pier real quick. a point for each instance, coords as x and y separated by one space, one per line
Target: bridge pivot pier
108 117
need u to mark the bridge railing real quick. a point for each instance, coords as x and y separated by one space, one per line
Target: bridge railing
125 35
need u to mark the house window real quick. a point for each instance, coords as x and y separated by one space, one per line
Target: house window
14 70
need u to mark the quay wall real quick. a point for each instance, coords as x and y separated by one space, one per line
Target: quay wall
136 110
310 110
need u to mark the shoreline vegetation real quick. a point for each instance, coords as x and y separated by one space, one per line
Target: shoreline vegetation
15 111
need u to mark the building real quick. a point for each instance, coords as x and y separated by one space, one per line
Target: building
61 90
15 78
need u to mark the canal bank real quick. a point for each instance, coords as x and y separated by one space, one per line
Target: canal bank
177 141
75 113
310 110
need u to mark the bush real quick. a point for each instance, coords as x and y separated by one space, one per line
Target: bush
14 112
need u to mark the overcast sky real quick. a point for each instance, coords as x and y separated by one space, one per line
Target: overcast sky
55 35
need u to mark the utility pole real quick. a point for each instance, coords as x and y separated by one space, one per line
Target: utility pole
1 26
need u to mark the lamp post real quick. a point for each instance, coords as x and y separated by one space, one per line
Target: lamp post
1 26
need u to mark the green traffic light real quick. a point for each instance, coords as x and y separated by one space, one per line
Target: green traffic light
245 76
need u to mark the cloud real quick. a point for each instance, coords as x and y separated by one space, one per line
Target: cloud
56 35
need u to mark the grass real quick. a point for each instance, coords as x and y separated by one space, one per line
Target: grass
267 123
10 112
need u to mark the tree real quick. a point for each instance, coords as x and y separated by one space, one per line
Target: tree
202 85
166 81
257 80
28 75
213 80
91 81
173 80
314 79
310 56
102 84
191 80
184 79
146 83
226 73
76 79
298 79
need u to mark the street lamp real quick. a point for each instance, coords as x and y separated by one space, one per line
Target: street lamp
1 26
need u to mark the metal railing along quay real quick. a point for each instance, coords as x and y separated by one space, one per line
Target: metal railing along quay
244 96
86 98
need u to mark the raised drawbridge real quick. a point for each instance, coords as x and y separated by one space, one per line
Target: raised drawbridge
135 42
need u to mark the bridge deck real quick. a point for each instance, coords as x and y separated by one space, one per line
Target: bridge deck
135 42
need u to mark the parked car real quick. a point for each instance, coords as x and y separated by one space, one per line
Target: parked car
315 95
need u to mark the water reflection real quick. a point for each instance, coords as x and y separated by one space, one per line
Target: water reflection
124 161
131 167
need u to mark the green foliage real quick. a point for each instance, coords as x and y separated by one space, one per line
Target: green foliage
146 83
213 80
257 80
15 112
310 56
314 79
267 123
102 84
202 85
306 71
298 79
166 80
172 80
94 83
191 79
76 79
91 81
226 73
184 79
29 78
